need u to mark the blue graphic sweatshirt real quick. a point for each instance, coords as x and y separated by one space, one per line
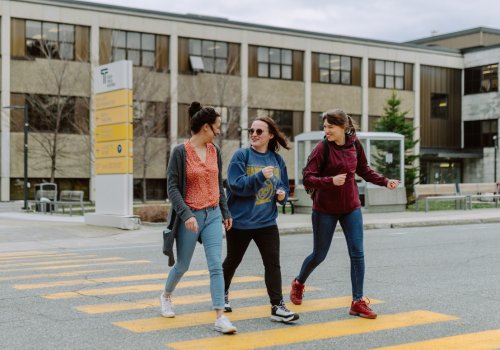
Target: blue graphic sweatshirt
252 197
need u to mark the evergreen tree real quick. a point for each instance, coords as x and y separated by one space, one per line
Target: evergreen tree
394 120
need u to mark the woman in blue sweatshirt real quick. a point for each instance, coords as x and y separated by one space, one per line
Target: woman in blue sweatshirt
257 179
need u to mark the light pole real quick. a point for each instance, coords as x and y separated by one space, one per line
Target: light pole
495 142
25 129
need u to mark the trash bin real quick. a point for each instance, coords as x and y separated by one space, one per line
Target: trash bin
45 205
45 195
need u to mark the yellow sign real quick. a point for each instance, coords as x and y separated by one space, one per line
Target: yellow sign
115 115
113 99
119 165
122 148
114 132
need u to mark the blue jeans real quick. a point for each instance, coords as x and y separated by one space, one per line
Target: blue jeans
323 230
210 228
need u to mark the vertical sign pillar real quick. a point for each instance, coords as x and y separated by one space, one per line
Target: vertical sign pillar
113 147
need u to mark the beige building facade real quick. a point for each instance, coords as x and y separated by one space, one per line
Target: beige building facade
49 49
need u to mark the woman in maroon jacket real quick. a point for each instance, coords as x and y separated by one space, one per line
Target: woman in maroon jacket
336 199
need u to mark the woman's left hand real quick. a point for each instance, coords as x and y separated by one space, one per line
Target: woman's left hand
392 184
280 195
228 223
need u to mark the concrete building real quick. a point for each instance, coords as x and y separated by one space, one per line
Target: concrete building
49 48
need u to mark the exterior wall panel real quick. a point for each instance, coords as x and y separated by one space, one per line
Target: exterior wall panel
440 133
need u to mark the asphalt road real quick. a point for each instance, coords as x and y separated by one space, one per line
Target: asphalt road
428 283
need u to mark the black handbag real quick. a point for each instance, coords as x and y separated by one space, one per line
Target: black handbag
168 245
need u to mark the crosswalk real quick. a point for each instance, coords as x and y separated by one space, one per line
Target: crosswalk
109 286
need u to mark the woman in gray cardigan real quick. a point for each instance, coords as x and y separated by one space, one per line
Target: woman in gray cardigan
199 207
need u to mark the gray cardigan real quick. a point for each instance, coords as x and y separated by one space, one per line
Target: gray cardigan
176 189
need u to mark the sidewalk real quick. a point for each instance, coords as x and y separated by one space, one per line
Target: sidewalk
288 223
301 223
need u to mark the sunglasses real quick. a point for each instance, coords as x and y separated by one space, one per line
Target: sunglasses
257 131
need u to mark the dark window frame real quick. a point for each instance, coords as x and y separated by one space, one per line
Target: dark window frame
479 133
216 57
269 63
384 73
129 48
481 79
38 46
329 70
440 106
76 114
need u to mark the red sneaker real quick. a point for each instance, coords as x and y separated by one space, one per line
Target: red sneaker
360 308
297 292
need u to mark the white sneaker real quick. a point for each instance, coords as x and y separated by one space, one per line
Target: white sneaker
223 325
280 313
167 309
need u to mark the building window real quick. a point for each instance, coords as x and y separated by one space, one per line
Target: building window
274 63
480 133
50 40
151 119
439 106
389 75
53 114
136 47
208 56
481 79
335 69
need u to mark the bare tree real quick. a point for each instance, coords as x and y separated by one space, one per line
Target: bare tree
150 124
55 115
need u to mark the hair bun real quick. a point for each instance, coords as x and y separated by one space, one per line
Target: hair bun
193 108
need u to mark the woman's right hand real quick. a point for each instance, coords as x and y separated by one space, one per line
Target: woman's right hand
268 171
339 179
192 224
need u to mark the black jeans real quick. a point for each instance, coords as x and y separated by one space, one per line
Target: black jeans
268 241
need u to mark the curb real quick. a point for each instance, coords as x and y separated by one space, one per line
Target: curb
377 226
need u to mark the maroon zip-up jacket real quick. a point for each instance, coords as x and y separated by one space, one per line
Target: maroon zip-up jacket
332 199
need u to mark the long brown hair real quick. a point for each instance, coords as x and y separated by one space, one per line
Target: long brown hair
279 138
340 118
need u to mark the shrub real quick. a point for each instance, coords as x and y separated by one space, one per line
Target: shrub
152 213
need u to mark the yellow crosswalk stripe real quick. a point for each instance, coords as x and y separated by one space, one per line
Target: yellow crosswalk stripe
60 267
139 288
29 257
41 263
130 278
312 332
245 313
486 340
24 253
58 274
180 300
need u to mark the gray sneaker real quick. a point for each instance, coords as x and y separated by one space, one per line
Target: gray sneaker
279 313
167 309
223 325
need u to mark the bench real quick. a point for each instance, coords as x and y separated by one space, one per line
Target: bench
483 192
68 199
291 201
438 192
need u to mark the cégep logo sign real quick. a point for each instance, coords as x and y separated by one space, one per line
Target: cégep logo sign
104 73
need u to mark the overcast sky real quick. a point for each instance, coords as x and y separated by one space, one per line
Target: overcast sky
390 20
